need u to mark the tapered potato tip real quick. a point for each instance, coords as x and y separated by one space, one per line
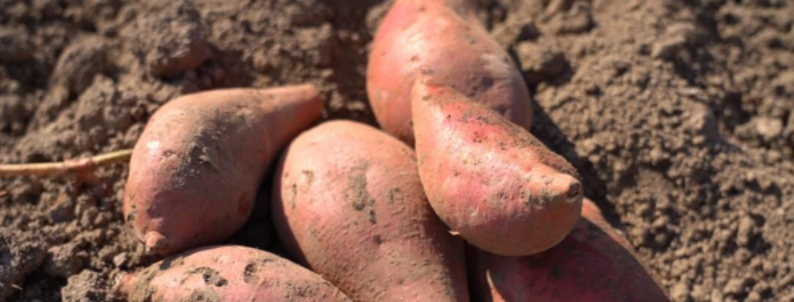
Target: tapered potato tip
574 191
515 186
567 188
155 242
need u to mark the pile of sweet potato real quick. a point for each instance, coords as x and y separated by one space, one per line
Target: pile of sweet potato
453 196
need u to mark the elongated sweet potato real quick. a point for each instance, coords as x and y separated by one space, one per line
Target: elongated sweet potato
226 273
489 179
593 264
445 39
195 170
349 205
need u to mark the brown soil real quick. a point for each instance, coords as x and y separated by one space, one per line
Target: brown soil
678 114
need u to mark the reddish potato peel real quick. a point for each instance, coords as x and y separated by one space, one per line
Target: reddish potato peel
594 264
444 39
195 170
348 203
489 179
227 273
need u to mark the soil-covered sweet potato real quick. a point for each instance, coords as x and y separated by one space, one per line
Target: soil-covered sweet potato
445 39
489 179
593 264
195 170
349 205
226 273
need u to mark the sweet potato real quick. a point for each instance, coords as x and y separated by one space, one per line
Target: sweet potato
226 273
195 170
445 39
489 179
348 204
593 264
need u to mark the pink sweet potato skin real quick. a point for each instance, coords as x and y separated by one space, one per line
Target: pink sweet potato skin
593 264
489 179
195 170
227 273
348 203
445 39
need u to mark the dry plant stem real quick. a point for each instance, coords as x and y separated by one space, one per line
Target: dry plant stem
82 168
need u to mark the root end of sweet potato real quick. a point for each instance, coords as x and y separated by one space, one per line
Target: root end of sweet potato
569 189
574 191
155 242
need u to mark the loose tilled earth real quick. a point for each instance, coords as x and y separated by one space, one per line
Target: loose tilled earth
677 113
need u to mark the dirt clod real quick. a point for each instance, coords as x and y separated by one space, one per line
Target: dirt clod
540 64
87 286
79 63
65 260
20 255
172 39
